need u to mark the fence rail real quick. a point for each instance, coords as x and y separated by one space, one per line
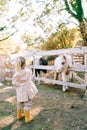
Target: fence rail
82 52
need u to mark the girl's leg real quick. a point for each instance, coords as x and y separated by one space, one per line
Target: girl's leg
20 106
27 106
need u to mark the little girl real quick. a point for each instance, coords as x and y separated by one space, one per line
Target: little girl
25 88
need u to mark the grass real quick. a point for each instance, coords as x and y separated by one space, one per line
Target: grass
7 109
56 114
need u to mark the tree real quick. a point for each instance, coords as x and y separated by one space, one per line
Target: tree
29 14
63 38
75 8
41 16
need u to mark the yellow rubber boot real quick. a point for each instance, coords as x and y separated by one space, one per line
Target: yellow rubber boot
27 116
19 114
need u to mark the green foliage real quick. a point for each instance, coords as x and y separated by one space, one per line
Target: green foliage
61 39
27 39
76 10
3 2
3 6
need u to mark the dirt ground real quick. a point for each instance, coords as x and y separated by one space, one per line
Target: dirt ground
52 109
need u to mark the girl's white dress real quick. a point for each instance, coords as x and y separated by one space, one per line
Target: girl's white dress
25 88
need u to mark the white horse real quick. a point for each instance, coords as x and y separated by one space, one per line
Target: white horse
62 65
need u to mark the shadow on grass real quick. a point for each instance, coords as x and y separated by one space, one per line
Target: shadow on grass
8 118
38 123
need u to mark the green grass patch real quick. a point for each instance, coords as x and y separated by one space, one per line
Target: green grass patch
6 109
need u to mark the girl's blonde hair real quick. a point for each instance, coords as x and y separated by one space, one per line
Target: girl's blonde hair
20 63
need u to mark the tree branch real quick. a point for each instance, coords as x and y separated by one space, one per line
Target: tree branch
8 36
69 10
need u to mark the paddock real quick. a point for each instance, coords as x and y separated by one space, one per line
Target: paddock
79 56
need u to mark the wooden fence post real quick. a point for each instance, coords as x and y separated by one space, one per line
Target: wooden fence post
9 71
85 63
33 68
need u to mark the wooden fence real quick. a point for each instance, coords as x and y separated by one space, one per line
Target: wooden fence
3 58
78 66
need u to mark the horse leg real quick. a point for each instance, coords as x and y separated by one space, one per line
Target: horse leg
55 75
64 78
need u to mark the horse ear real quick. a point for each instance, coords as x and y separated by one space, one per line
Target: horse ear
64 57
